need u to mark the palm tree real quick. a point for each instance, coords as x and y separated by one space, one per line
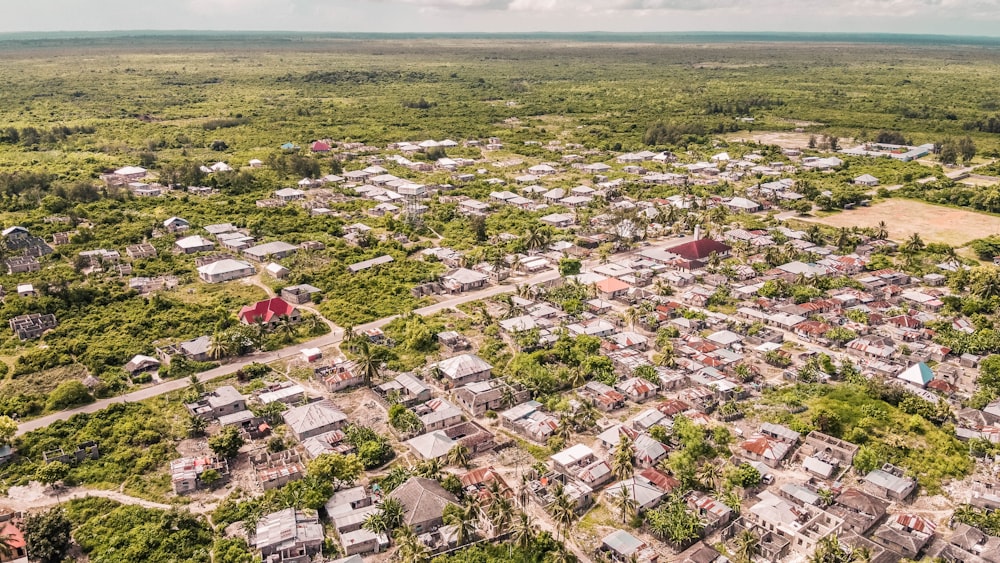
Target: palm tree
630 316
624 502
459 455
881 231
392 512
368 364
285 328
411 549
709 475
913 245
560 555
621 463
464 520
747 547
665 357
523 531
524 492
563 511
220 346
430 469
565 428
536 237
825 496
499 512
376 523
510 309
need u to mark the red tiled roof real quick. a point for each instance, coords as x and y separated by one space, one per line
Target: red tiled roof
320 146
664 482
266 311
699 249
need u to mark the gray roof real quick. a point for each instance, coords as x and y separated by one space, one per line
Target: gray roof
285 528
888 481
463 365
269 248
365 264
432 445
314 415
422 499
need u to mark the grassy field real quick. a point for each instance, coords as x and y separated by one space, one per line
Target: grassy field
903 217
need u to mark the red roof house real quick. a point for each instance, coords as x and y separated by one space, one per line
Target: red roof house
269 311
320 146
699 250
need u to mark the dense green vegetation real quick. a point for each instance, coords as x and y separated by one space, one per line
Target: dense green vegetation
890 425
111 532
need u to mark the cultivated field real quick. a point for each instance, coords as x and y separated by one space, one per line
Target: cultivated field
904 217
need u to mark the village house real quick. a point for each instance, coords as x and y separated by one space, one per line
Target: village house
314 419
289 535
491 395
765 449
602 396
270 251
859 510
438 414
462 370
186 473
623 547
528 420
299 294
140 251
463 279
194 244
890 483
22 264
637 389
225 270
906 534
423 503
802 526
269 313
339 376
405 389
222 401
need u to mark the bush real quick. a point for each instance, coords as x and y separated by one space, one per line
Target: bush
68 394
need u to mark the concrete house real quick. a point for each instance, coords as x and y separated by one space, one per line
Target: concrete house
270 251
225 270
269 312
289 535
224 400
463 369
890 483
194 244
482 396
423 503
314 419
405 389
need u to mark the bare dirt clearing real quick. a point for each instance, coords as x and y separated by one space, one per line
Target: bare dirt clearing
904 217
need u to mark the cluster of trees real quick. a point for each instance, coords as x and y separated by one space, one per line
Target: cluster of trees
951 150
31 137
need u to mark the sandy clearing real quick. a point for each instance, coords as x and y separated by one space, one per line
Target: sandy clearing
903 217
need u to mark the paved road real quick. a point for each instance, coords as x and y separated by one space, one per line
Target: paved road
321 342
268 357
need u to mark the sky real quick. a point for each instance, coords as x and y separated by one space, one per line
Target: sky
947 17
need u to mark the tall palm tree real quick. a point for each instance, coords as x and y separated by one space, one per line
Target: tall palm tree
665 357
285 328
500 512
220 346
563 511
881 231
560 555
630 316
368 363
564 430
621 462
459 455
411 549
709 475
464 520
523 531
913 245
392 512
747 547
624 502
